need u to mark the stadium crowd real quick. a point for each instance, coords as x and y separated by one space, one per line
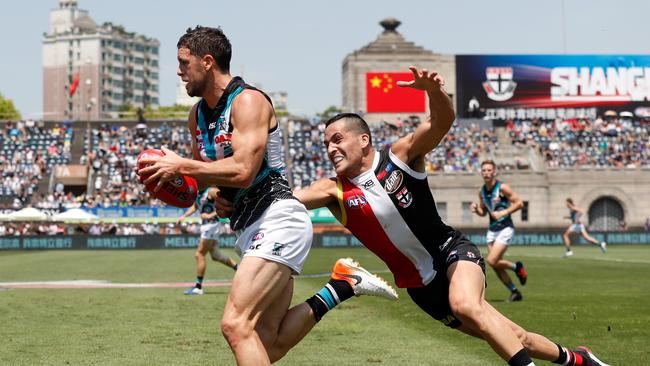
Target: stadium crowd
461 149
113 156
29 149
612 141
98 228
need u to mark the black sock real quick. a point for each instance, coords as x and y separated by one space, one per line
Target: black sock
199 282
332 294
342 288
521 358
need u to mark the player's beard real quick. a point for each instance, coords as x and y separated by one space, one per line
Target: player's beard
195 89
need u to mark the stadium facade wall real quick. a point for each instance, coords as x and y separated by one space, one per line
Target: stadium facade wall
545 193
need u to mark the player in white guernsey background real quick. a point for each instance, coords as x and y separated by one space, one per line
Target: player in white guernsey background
237 148
211 228
384 199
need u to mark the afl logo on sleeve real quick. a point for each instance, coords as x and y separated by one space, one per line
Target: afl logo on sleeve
393 182
356 202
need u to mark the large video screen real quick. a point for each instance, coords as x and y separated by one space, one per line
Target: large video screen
550 86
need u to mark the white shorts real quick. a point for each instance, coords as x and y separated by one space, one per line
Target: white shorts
211 231
282 234
576 228
504 235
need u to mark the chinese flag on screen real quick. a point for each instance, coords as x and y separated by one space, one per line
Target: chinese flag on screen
383 94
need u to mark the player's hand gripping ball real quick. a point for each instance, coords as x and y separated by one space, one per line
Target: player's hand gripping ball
179 192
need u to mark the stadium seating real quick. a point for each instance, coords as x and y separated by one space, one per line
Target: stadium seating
617 143
28 151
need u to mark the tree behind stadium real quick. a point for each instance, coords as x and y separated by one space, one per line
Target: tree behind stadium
7 110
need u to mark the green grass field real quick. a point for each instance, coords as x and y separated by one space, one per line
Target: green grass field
602 301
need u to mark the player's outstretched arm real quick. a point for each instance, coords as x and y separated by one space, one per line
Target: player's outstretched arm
320 194
441 116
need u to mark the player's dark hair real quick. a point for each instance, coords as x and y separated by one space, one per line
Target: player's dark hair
491 162
569 200
203 41
354 122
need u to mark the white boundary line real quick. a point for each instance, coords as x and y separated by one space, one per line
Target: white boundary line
604 258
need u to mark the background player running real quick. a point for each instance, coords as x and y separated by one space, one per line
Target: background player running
499 201
575 213
211 227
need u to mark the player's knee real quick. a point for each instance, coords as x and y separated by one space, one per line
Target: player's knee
469 311
218 256
235 329
492 261
524 338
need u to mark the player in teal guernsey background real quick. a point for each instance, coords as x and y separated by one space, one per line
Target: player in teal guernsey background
211 228
499 201
575 213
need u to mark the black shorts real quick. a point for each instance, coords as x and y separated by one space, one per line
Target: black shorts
434 297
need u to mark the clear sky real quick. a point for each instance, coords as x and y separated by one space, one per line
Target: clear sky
298 46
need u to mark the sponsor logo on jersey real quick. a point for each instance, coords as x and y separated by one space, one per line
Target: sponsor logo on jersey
356 202
212 125
368 184
404 197
393 182
258 236
221 138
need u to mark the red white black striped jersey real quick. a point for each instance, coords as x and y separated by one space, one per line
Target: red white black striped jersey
391 210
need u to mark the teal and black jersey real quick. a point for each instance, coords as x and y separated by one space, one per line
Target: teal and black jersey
575 216
213 138
206 205
494 200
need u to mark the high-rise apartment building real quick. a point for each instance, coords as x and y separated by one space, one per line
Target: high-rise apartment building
90 71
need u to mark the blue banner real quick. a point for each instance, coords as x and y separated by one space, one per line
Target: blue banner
135 214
